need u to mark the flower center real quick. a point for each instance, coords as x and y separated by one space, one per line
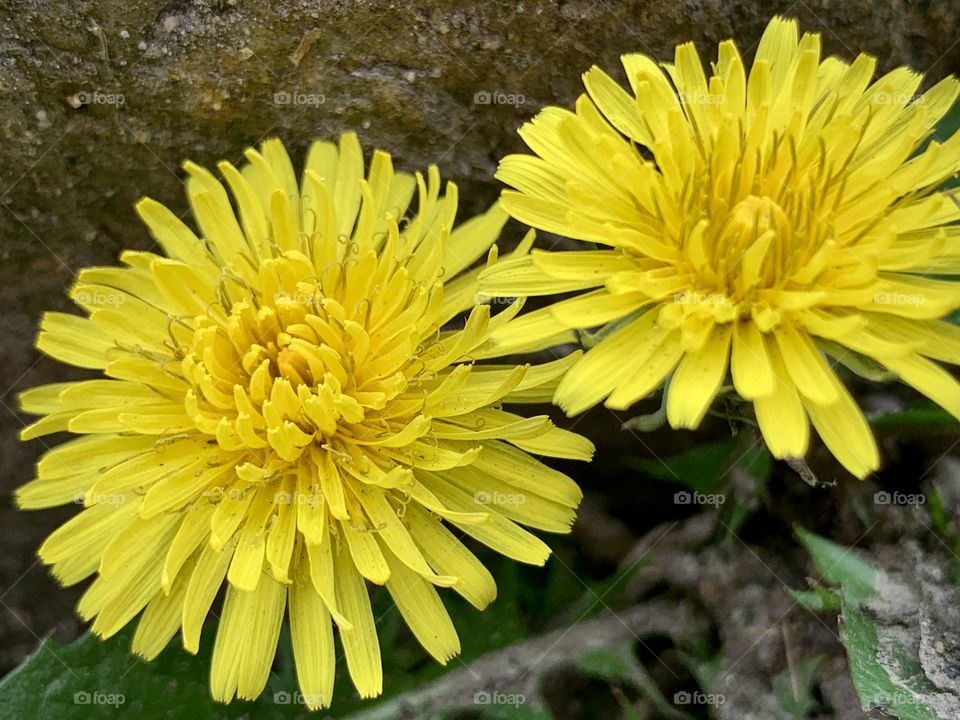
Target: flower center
287 370
765 235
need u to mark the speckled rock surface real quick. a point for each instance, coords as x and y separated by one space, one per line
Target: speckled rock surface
101 100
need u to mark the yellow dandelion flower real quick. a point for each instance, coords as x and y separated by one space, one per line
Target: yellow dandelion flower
285 413
768 223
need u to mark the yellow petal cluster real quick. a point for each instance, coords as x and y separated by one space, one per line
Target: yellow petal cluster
757 226
289 409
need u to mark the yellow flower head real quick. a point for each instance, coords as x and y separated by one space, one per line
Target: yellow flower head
284 409
754 221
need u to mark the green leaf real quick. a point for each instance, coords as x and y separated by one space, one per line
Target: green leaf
944 130
93 679
589 339
840 565
757 462
884 659
700 468
609 663
611 592
817 600
873 681
795 692
948 125
922 418
939 515
705 670
619 666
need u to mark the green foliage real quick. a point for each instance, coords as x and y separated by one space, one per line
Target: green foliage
923 417
840 566
948 125
91 679
704 667
701 469
886 671
175 685
900 694
795 690
819 599
589 339
613 664
618 666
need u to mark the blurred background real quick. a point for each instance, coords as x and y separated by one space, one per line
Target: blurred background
100 102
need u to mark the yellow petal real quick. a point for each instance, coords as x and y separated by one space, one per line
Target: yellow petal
394 534
780 414
527 474
205 582
366 554
548 275
652 360
448 556
470 240
616 105
499 533
282 533
845 431
320 556
423 611
176 239
596 308
194 529
749 364
697 379
161 618
360 643
311 634
603 367
806 366
930 379
246 641
74 340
